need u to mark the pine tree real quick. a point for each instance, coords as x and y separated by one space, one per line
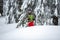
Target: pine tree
17 10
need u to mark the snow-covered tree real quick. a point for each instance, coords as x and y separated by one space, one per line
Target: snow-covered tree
17 10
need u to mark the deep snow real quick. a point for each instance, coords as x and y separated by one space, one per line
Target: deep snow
46 32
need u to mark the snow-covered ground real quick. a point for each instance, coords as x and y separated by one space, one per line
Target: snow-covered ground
9 32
